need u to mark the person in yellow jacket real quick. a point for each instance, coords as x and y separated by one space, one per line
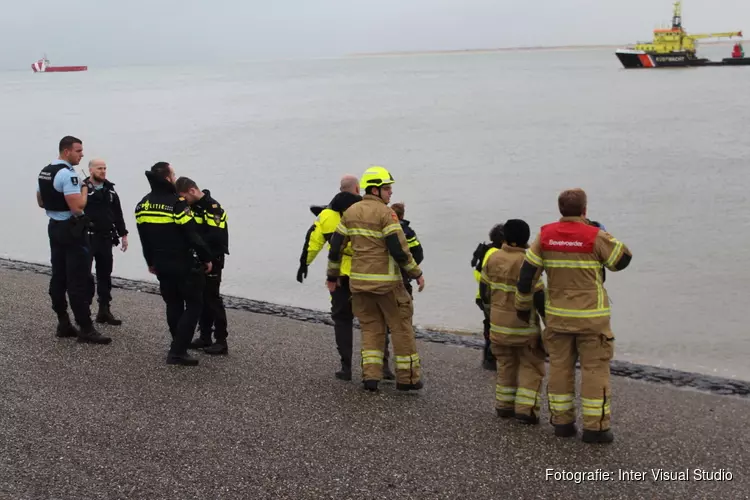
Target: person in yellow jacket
317 236
379 297
516 344
572 252
481 254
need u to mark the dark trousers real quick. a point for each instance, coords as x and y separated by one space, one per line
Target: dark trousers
213 314
101 251
183 295
487 352
70 257
343 317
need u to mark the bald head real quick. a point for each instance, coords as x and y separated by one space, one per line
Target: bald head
350 184
98 170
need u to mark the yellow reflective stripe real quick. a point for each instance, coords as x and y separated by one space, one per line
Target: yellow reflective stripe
152 219
342 229
561 402
599 291
212 222
407 362
505 393
334 265
527 330
539 285
533 258
594 407
372 357
616 253
375 277
577 313
572 264
523 297
391 228
411 265
412 242
364 232
153 212
527 397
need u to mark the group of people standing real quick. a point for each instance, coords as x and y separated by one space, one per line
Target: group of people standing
373 256
183 233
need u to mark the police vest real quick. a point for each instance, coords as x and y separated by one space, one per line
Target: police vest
51 198
99 208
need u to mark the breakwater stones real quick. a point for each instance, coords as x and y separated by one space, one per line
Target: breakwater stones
653 374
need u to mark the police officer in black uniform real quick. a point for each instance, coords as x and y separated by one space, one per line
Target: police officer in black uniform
212 223
176 254
60 193
107 228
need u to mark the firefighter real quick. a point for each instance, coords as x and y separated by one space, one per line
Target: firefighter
379 297
481 254
516 344
170 241
106 231
577 314
212 226
320 232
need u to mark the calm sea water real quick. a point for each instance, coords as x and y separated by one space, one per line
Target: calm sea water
472 140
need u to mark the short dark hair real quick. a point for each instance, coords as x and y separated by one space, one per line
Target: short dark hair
497 235
572 202
400 210
67 142
183 184
161 169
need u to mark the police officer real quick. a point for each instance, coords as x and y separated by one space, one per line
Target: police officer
320 232
60 193
170 241
379 297
106 230
212 223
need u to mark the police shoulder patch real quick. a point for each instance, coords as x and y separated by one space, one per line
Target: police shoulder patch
214 206
181 198
74 180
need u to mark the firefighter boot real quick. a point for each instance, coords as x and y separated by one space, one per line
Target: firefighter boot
565 430
65 328
370 385
105 316
597 436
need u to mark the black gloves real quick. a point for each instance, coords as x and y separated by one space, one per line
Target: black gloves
301 272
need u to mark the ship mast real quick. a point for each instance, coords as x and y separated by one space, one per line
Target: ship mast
677 16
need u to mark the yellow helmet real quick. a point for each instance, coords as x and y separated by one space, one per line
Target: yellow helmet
375 176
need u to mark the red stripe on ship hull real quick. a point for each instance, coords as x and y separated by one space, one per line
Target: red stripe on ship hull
646 60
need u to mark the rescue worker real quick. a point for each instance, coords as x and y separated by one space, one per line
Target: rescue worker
577 314
320 232
63 197
212 226
517 344
379 297
170 240
481 254
106 230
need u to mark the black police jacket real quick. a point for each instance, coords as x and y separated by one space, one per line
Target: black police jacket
104 209
212 226
167 230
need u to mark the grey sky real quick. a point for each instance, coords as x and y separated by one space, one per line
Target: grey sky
104 32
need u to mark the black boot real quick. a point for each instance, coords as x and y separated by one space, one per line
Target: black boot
565 430
90 335
105 316
65 328
200 343
527 419
505 412
181 359
370 385
346 371
409 387
597 436
219 348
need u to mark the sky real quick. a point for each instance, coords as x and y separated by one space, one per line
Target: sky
105 33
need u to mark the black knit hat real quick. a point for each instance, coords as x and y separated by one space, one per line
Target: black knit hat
517 232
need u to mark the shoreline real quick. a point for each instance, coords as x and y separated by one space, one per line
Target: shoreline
647 373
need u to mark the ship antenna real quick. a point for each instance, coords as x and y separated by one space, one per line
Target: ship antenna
677 17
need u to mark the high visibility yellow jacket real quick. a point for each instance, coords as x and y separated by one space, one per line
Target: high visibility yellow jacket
325 225
379 248
477 274
572 253
500 274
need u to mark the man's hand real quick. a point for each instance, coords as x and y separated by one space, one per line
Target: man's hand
209 266
152 269
420 282
332 285
124 246
301 272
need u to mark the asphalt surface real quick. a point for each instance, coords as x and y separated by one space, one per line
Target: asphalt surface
270 421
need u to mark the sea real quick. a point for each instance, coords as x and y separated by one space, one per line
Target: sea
472 139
